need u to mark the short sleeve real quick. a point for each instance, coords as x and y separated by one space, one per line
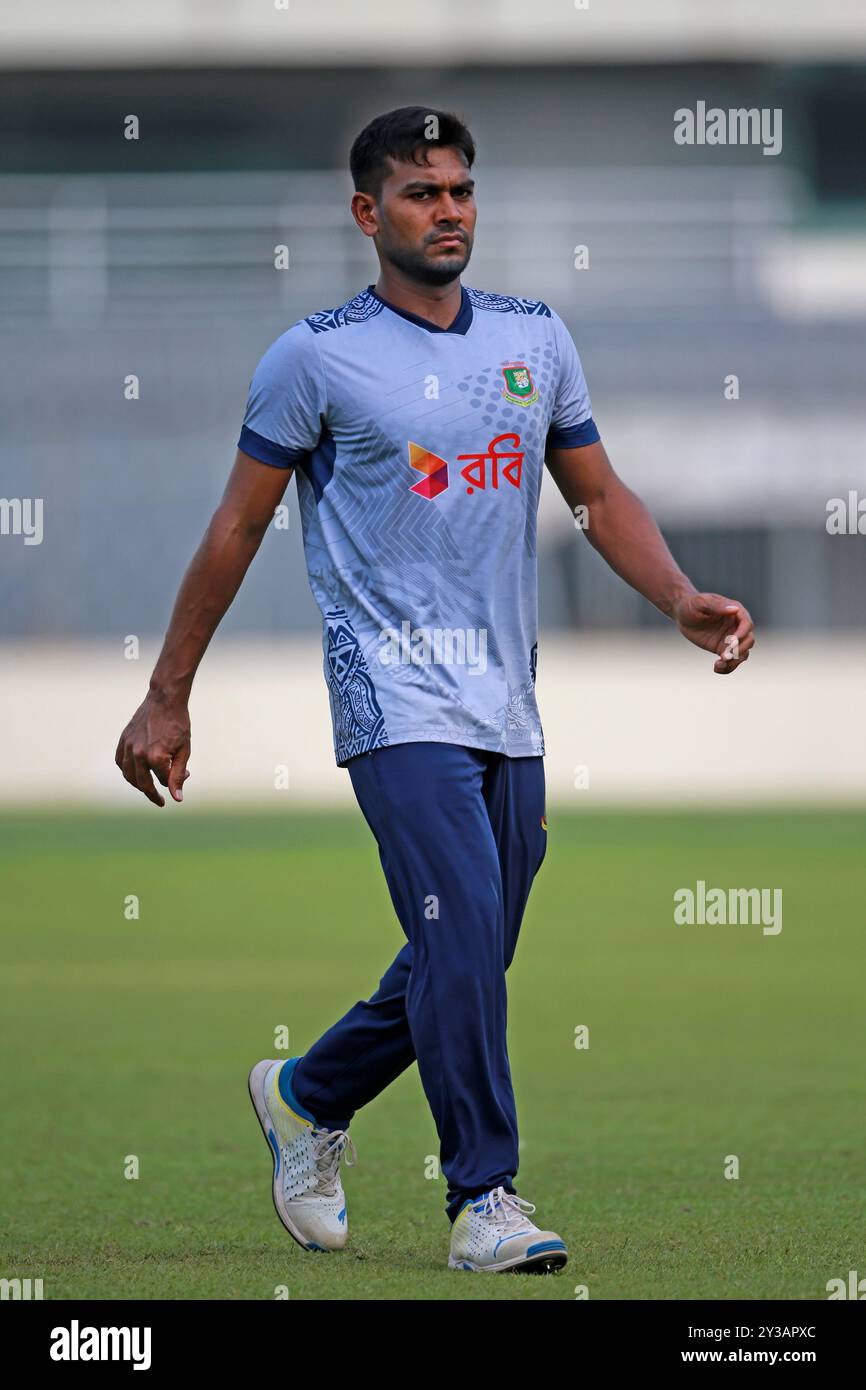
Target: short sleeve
571 424
285 411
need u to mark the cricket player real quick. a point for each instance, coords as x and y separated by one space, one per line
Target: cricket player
417 418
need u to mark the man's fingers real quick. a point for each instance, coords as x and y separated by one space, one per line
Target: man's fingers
145 783
160 765
137 773
725 665
732 611
178 774
139 765
739 618
734 622
731 648
127 765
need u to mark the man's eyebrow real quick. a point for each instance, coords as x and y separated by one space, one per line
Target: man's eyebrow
430 184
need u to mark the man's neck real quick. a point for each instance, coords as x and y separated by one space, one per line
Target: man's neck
438 303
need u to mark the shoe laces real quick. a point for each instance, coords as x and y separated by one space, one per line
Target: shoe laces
329 1146
506 1208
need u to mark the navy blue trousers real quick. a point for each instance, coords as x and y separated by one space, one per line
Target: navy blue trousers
461 835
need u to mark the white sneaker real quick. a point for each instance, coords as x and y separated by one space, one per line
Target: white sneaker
308 1194
492 1233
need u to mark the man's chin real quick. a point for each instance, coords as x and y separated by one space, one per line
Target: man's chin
442 266
431 267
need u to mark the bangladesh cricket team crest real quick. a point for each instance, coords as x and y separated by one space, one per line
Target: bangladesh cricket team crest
520 389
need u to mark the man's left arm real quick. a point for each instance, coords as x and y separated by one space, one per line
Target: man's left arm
623 532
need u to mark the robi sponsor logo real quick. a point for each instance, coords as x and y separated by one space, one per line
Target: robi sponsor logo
501 461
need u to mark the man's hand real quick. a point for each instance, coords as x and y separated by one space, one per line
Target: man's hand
718 625
156 739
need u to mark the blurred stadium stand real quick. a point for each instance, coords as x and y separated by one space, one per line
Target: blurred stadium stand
155 257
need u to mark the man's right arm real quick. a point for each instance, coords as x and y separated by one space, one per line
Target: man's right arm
157 738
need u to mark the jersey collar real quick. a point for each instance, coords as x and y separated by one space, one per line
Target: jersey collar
461 324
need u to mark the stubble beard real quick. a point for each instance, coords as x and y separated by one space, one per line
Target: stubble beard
416 266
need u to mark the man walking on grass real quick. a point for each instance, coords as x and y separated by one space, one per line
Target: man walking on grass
418 418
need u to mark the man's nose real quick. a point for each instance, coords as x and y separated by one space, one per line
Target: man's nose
448 210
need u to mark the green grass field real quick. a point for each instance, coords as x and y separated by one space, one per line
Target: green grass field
135 1037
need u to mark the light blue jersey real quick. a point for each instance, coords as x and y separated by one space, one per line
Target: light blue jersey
419 454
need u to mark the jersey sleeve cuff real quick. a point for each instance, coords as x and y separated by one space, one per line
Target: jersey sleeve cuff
266 451
573 436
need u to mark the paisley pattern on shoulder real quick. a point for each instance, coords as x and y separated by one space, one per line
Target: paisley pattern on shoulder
507 303
357 310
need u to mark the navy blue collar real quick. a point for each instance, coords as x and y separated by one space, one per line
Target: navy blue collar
460 325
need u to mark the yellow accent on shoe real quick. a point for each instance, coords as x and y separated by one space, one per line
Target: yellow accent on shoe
288 1109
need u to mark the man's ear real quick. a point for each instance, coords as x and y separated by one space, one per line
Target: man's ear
365 211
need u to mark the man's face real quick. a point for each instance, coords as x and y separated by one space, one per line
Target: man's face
424 220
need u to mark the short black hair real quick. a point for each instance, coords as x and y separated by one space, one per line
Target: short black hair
404 134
